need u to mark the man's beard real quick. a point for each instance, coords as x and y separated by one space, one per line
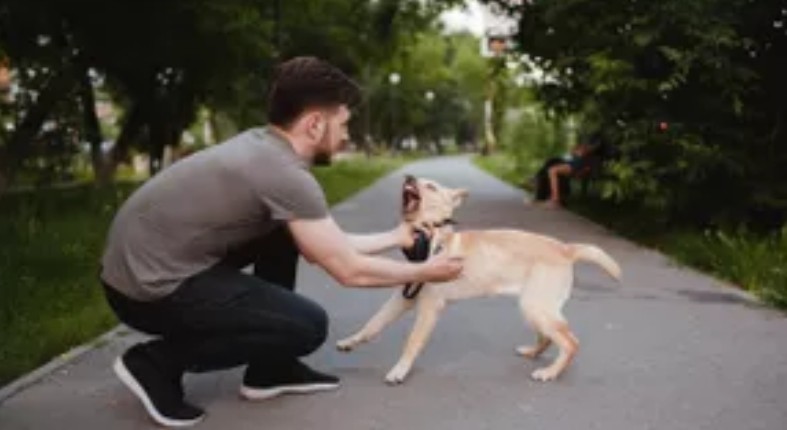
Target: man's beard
323 155
322 158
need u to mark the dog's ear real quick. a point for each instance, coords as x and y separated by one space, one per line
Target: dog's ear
458 196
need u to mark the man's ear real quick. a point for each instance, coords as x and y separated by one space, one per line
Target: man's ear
315 124
458 196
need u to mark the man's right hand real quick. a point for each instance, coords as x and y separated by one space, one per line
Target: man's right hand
441 268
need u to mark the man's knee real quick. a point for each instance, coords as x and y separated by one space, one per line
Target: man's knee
316 319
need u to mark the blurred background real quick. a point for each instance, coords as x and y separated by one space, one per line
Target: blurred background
685 102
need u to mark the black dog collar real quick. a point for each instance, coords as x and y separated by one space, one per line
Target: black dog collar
420 252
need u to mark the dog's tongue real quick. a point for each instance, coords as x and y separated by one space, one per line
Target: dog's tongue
411 204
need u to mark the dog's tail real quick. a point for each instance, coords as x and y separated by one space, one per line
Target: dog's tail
596 255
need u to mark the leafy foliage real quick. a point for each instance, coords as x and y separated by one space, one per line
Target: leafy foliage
160 63
690 93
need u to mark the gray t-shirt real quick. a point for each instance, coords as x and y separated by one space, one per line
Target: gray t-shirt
193 213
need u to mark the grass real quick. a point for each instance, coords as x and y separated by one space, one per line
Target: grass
756 263
48 263
753 262
50 300
344 178
502 166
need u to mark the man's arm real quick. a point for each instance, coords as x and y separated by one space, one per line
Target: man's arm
373 243
324 243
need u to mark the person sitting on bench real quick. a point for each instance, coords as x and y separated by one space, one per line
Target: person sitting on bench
549 187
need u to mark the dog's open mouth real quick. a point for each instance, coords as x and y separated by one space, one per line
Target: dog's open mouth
411 197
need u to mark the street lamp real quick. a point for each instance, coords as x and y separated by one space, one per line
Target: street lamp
394 79
429 96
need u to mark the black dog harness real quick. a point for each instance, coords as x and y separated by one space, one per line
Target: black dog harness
420 252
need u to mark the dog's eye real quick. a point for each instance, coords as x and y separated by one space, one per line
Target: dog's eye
431 187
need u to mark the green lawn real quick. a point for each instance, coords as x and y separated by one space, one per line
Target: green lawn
502 166
345 178
51 241
755 263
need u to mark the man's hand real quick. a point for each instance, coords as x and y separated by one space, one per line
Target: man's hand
442 268
323 242
406 235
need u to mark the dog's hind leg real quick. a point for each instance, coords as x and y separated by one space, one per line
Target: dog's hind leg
388 313
533 351
530 307
561 335
429 308
542 302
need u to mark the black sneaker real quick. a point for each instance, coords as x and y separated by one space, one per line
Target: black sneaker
260 383
160 391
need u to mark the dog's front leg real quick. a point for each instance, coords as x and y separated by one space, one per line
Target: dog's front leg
388 313
429 308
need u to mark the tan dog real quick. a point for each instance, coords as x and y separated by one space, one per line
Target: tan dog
535 268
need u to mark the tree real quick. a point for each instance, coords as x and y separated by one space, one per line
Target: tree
687 91
161 62
440 94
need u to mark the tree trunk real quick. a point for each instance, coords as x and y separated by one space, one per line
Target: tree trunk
93 129
3 184
156 144
164 131
54 91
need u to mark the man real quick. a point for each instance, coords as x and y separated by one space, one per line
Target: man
174 254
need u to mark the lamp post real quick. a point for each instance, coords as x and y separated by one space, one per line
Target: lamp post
394 79
429 96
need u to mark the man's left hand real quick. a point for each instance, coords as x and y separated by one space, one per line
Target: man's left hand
406 235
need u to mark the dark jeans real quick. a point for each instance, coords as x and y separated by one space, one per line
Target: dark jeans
222 317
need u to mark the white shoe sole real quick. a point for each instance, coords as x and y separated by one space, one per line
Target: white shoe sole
125 376
249 393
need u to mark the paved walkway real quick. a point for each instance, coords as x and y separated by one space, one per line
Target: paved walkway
670 349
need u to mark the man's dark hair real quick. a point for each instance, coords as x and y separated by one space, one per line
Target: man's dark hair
308 82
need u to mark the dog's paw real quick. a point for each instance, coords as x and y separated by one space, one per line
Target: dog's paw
527 351
544 374
346 345
396 375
